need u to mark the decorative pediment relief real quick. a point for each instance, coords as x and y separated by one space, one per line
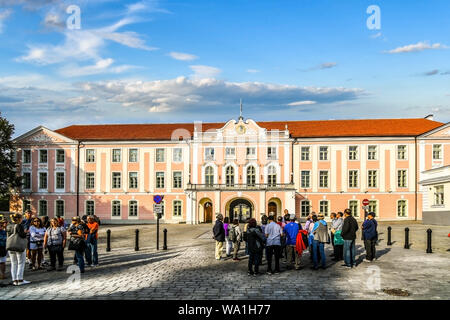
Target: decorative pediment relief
42 135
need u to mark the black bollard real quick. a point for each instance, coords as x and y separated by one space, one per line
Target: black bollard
429 241
165 239
406 238
136 243
108 240
389 242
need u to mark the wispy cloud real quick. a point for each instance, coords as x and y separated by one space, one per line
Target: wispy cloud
201 71
253 70
101 66
182 56
420 46
301 103
4 14
322 66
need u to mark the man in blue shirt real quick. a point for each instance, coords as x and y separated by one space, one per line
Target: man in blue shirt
291 231
273 234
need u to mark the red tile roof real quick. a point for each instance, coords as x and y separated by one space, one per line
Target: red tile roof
297 129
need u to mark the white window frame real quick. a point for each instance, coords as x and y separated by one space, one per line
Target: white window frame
327 153
23 156
23 205
39 180
174 153
120 155
309 153
173 179
406 208
56 180
406 152
376 152
439 200
129 155
56 207
137 209
356 153
173 209
163 155
377 204
56 156
272 157
376 179
208 155
326 214
309 179
112 180
328 179
129 180
440 151
94 154
112 209
301 206
231 155
86 180
357 180
251 155
358 211
406 178
163 177
31 180
39 155
39 208
85 206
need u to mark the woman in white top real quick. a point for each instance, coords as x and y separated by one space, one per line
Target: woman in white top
37 233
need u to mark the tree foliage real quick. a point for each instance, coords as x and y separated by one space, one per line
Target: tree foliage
9 180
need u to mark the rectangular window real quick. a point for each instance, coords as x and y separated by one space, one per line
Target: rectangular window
230 153
132 155
42 180
401 178
177 180
26 205
60 156
42 208
116 155
323 207
90 180
60 184
160 155
401 208
305 179
401 152
353 153
177 208
177 155
90 155
353 179
372 179
90 207
372 153
251 152
323 153
271 153
132 180
26 156
437 151
305 208
354 207
116 180
209 153
160 180
323 179
305 156
59 208
26 180
42 156
116 208
132 208
373 207
438 195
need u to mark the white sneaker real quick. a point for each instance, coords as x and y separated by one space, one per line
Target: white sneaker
367 260
24 282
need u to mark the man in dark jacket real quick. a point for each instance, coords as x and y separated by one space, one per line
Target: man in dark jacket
369 231
255 238
219 235
348 233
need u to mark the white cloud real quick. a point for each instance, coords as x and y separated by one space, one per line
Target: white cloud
201 71
376 35
253 71
4 14
101 66
301 103
420 46
182 56
322 66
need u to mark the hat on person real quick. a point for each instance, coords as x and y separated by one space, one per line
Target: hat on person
292 216
320 216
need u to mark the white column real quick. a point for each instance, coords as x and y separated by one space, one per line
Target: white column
363 162
72 169
169 170
333 171
141 165
382 171
296 150
152 170
287 175
108 170
393 173
314 172
98 169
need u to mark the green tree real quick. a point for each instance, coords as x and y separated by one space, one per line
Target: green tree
9 180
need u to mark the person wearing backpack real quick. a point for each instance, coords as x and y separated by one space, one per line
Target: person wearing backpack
16 244
55 241
255 239
321 236
291 231
3 251
236 238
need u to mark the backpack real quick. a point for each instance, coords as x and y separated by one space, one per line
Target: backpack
232 234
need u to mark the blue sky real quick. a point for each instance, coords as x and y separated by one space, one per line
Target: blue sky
148 61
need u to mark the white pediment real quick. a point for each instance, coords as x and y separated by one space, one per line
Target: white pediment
42 135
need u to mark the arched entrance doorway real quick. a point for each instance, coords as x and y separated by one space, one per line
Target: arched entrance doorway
207 207
274 206
240 209
205 210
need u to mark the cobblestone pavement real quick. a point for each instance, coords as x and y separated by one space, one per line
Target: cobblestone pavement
188 270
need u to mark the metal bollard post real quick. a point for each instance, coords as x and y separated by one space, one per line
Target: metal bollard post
136 243
108 240
429 241
389 242
165 239
406 238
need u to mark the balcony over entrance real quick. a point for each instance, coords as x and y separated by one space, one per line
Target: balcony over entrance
241 187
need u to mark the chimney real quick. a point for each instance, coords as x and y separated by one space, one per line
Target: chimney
429 117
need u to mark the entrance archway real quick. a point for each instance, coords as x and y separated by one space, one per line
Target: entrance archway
205 210
274 205
241 209
207 207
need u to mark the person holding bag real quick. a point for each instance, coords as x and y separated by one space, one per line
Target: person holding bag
16 244
55 242
77 242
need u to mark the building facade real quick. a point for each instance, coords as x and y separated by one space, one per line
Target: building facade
240 168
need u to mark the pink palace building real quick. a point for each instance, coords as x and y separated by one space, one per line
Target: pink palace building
239 168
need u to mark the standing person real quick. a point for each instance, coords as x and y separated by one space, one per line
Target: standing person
92 239
320 231
55 242
255 239
219 235
37 233
348 233
273 234
228 243
87 248
283 239
263 227
338 246
291 230
17 239
45 225
369 230
60 221
3 251
308 221
245 230
333 218
311 236
77 241
26 226
236 237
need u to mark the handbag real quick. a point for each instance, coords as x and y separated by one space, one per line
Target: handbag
15 242
76 244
